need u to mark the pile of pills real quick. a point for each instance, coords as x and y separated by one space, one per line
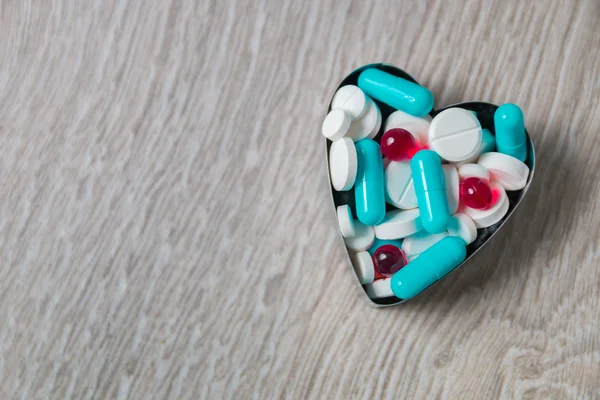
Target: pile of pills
425 187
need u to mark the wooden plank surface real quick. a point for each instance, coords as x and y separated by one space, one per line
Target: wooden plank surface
165 226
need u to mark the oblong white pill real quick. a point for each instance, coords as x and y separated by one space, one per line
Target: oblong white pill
509 172
363 238
463 227
455 134
452 186
399 224
418 127
379 289
399 186
346 221
473 171
351 99
336 124
421 241
343 164
368 125
490 216
363 265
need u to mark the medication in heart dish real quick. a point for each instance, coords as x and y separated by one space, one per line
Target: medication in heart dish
413 198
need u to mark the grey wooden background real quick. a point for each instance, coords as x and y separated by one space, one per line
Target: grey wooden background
165 226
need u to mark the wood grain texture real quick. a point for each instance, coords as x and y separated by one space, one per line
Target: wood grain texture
165 226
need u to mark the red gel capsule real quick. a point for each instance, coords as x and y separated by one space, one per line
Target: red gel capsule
398 144
475 193
388 260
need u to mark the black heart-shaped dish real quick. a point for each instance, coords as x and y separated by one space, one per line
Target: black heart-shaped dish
485 114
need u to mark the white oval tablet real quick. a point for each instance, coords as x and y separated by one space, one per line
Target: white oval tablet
490 216
368 125
399 224
418 127
463 227
452 186
379 289
509 172
343 164
351 99
345 220
363 238
336 124
363 265
421 241
399 186
455 134
473 171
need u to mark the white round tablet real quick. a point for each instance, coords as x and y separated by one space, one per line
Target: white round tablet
455 134
419 127
363 238
463 227
336 124
473 171
399 186
380 289
363 265
343 164
346 221
509 172
399 224
452 186
421 241
368 125
351 99
488 143
490 216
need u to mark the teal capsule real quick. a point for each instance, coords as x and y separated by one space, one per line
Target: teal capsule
380 242
369 190
429 267
488 142
430 188
510 131
396 92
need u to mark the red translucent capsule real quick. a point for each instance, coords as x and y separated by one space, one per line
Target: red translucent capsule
398 144
388 260
475 193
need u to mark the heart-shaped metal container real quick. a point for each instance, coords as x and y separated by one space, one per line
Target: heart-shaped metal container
485 114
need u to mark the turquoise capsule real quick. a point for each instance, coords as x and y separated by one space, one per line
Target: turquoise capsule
510 131
380 242
396 92
369 189
488 142
430 188
429 267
